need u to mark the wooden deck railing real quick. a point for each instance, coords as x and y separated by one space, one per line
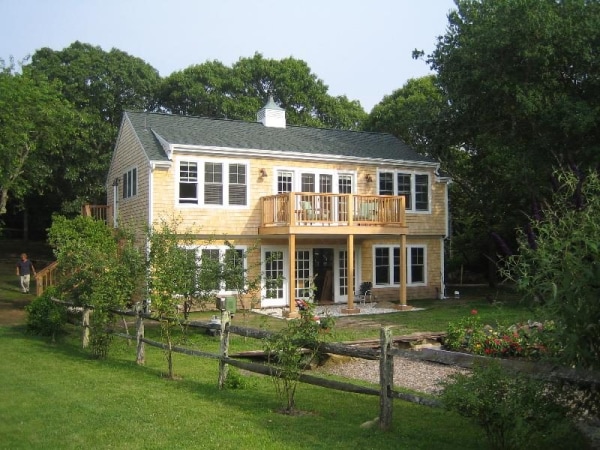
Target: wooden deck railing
307 208
98 212
46 278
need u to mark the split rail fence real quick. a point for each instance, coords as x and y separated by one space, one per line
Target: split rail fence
384 352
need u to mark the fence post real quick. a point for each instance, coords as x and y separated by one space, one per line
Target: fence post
85 324
224 351
386 379
139 334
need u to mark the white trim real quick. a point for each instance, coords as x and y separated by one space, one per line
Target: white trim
408 265
396 283
442 270
226 163
182 150
275 302
297 177
167 147
222 249
412 173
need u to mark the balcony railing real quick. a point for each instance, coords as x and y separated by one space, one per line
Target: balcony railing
98 212
307 209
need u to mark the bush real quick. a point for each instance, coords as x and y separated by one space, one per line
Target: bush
45 317
235 380
514 411
528 340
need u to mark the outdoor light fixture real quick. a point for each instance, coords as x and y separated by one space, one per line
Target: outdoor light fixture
263 173
369 178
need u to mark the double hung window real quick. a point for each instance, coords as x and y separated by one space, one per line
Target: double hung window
222 269
413 186
213 183
387 265
130 182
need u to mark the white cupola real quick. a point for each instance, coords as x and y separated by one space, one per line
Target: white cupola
271 115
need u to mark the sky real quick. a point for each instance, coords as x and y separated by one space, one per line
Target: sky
358 48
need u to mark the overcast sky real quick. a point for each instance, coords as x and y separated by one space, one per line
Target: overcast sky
361 49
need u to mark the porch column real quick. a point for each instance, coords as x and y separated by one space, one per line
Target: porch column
293 312
403 267
350 258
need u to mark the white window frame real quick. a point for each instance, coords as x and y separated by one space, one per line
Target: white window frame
413 185
296 174
284 300
409 265
222 249
130 183
200 183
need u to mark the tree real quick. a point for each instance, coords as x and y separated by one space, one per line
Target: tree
557 266
521 79
172 279
238 92
99 269
100 85
413 113
35 122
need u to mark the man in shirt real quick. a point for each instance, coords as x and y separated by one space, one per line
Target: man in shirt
24 270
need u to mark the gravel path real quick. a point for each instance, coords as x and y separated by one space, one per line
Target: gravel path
420 376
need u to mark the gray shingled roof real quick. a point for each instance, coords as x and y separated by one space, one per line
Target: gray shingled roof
186 130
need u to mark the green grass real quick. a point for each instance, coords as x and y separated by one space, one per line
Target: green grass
55 396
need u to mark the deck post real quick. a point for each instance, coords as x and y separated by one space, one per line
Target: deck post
351 309
293 313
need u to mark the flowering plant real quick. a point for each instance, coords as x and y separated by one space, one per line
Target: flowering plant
530 340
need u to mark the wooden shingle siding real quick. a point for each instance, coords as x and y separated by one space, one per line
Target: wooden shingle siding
133 211
156 145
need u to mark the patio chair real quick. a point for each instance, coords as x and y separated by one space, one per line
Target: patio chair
367 211
308 212
362 297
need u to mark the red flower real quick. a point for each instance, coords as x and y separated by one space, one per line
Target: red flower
473 311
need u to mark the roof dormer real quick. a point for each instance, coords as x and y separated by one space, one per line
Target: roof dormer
271 115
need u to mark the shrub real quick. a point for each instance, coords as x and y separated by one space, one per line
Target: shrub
531 340
235 380
286 355
514 411
45 317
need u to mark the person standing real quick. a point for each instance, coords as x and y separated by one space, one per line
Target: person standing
24 270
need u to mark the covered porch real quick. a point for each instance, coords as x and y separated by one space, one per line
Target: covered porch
304 219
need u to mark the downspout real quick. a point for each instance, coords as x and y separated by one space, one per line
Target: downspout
150 194
115 203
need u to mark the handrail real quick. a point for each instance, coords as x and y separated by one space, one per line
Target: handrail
46 278
309 208
98 212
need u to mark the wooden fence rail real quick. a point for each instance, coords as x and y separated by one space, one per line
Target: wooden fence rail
385 354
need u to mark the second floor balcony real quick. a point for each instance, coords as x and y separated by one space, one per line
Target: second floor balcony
312 213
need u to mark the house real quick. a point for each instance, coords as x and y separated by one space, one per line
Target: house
322 204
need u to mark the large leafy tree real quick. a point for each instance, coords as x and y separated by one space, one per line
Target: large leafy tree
35 122
238 92
100 85
522 83
524 75
414 113
558 265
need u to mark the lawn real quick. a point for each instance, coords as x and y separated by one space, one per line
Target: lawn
55 396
